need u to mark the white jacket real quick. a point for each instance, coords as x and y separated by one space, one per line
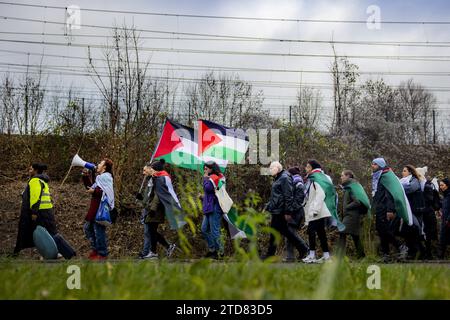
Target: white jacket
315 207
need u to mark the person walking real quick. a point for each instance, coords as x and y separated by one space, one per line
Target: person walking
414 235
37 208
385 185
280 208
160 202
444 185
101 190
432 205
320 205
212 212
296 219
355 205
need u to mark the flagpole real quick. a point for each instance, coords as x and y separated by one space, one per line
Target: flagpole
153 155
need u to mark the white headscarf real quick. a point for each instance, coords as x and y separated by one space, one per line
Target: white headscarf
105 182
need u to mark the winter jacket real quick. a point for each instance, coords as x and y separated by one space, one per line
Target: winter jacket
298 216
45 218
209 197
315 207
383 202
352 209
415 197
282 193
95 199
154 209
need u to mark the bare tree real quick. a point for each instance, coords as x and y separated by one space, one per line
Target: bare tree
418 105
307 109
225 99
346 95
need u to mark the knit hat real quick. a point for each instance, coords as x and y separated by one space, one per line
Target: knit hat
422 171
380 162
158 165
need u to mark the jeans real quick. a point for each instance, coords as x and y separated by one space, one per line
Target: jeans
147 240
156 237
211 230
96 234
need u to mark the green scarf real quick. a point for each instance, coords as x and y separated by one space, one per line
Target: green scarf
330 195
390 181
358 193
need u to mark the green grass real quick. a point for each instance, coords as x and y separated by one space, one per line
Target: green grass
204 279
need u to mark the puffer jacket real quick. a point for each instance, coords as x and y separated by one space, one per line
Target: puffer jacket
282 194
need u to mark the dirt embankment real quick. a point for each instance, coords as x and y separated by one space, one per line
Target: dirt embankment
71 204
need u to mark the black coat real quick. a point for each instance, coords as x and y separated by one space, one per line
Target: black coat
352 209
45 218
446 207
415 198
282 194
383 202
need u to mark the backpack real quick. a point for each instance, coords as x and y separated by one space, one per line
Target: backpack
298 197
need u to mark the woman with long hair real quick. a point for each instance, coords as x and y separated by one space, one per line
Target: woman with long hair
101 190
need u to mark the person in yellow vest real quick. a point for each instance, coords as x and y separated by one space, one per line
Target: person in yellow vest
37 208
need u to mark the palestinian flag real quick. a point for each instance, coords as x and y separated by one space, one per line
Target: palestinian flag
392 183
222 142
166 194
237 227
358 193
324 182
178 146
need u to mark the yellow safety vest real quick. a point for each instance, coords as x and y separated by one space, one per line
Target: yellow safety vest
35 194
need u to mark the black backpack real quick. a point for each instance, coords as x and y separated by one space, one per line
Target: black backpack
299 196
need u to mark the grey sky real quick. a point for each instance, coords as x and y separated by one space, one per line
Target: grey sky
277 99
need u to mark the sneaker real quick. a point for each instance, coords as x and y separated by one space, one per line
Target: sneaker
386 259
289 259
92 254
98 257
323 259
150 256
170 250
215 255
309 259
210 254
403 252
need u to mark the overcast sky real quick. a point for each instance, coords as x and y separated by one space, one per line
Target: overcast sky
277 98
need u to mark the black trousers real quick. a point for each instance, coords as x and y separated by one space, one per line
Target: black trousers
279 223
156 237
386 233
356 240
444 240
317 227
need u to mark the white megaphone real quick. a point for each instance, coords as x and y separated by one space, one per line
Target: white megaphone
78 162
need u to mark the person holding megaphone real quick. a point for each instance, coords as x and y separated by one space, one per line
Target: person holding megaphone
102 194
